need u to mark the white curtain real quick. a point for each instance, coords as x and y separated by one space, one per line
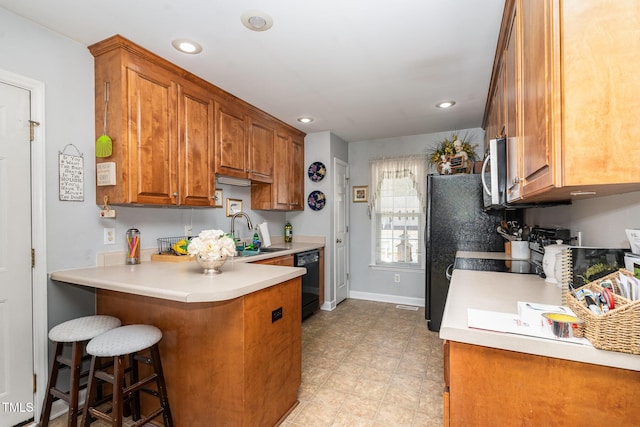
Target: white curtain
414 167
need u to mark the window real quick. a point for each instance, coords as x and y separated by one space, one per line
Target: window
398 211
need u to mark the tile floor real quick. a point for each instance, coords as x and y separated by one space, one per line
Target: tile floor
365 364
369 364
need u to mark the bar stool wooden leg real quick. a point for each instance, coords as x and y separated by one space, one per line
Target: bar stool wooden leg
76 367
91 394
53 379
134 401
162 387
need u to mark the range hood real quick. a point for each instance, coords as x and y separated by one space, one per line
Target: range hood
238 182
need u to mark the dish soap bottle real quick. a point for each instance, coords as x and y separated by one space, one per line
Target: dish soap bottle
288 232
256 239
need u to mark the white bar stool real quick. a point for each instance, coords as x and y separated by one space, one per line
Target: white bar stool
117 343
76 333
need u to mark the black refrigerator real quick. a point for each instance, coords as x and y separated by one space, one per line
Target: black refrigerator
456 221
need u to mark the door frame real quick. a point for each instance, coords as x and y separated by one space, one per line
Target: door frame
38 233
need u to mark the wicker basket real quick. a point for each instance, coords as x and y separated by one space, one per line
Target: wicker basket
165 244
616 330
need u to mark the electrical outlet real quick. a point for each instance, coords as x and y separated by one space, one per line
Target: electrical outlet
109 236
187 230
396 278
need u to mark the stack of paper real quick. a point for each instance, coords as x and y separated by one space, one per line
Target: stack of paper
512 324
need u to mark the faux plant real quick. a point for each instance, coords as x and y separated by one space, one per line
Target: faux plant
212 244
450 147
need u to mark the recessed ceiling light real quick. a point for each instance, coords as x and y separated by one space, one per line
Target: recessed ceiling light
305 120
445 104
187 46
256 20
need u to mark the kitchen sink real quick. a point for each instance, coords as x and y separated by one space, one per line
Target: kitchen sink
272 249
250 252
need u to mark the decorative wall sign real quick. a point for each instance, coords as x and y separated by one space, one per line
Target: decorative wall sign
317 171
71 175
316 200
360 193
233 206
217 198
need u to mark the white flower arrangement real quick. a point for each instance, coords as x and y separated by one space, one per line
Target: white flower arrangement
212 244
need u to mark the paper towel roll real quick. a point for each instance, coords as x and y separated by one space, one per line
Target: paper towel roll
264 231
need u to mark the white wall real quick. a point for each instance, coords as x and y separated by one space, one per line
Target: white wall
74 229
370 282
321 147
601 220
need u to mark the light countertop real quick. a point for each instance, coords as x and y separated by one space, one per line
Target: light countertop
500 292
184 281
181 281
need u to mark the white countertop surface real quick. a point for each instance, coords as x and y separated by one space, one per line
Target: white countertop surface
500 292
184 281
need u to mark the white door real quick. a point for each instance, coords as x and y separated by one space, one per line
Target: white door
341 227
16 342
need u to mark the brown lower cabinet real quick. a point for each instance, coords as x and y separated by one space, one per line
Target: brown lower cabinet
226 363
492 387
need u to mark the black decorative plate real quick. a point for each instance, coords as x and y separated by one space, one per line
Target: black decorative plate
316 200
317 171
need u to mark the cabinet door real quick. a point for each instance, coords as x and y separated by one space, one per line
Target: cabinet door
288 183
537 145
282 183
511 98
230 140
296 201
260 147
196 173
600 87
152 137
273 355
286 260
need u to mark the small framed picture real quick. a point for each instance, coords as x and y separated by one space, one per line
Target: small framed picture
217 197
233 206
360 193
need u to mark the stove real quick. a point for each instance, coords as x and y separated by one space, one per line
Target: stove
518 266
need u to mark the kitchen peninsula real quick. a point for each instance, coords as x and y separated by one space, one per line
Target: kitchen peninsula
507 379
231 346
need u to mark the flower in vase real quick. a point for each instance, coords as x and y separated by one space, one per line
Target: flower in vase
212 244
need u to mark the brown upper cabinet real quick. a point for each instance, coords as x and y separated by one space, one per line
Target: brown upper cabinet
173 132
260 157
562 92
244 143
286 192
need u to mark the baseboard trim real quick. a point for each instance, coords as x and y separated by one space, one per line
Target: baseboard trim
419 302
328 306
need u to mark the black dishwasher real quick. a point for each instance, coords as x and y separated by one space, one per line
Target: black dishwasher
310 281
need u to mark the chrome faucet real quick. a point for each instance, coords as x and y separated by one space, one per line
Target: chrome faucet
233 222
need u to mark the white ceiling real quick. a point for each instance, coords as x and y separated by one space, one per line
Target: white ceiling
364 69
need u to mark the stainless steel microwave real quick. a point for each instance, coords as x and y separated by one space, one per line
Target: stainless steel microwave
494 175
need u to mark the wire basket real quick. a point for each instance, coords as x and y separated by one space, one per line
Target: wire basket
165 244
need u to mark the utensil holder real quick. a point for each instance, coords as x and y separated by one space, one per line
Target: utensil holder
520 249
133 246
